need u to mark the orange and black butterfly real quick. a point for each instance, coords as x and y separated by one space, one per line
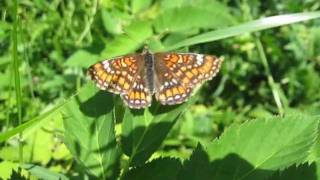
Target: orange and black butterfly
170 76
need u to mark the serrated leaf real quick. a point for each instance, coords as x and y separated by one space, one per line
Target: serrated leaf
304 171
16 175
158 169
43 173
257 148
197 167
89 131
143 131
6 168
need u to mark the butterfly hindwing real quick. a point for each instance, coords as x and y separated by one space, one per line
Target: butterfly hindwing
139 96
178 73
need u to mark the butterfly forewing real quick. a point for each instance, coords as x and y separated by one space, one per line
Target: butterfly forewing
125 76
178 73
116 75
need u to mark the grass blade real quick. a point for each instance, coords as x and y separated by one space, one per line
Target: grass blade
16 72
257 25
8 134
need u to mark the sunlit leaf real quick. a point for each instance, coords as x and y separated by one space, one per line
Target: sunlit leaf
257 148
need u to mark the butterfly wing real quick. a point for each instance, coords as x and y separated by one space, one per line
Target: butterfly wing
177 74
125 76
139 95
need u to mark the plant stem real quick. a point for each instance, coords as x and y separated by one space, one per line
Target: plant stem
274 88
17 74
89 22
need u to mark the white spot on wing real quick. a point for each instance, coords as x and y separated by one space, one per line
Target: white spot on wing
170 98
199 58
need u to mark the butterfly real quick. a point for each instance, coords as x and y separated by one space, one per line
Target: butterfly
170 76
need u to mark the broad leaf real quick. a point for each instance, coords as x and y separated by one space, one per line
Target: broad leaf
89 131
158 169
197 167
257 148
304 171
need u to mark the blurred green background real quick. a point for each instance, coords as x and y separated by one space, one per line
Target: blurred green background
266 73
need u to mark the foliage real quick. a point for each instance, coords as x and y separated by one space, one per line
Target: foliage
258 119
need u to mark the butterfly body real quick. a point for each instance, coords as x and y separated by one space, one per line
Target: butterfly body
170 76
149 65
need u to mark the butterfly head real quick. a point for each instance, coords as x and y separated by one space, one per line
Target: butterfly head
146 49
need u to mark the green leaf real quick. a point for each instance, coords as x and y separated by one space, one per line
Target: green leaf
39 135
158 169
134 35
143 131
10 133
89 131
12 170
138 5
111 22
257 148
197 167
198 15
304 171
17 175
6 168
257 25
81 58
43 173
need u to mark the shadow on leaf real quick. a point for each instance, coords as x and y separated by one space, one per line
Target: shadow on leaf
99 104
90 132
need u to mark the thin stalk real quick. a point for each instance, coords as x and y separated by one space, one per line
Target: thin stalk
17 74
26 55
274 88
271 82
89 22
